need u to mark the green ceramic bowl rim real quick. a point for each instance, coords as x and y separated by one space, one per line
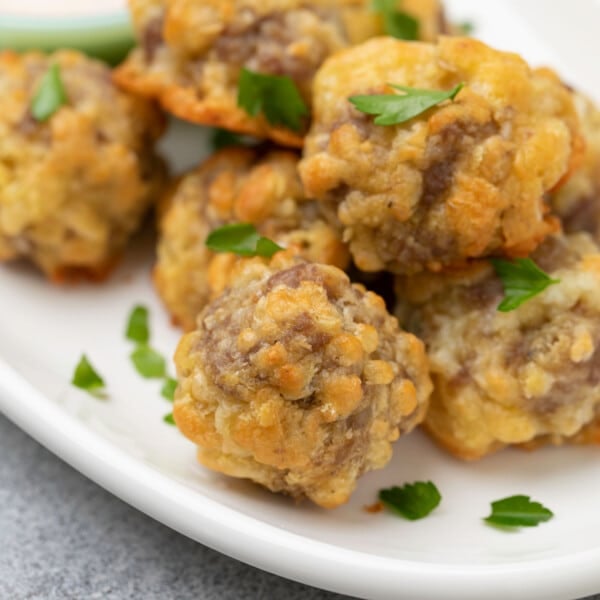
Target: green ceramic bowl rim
50 23
107 36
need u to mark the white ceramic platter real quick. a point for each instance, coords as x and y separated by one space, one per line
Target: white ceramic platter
123 444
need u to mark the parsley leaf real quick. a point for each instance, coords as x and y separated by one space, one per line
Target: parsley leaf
148 362
393 109
276 96
169 419
137 326
221 138
49 96
413 501
466 28
266 247
397 23
241 239
86 378
168 389
518 511
522 280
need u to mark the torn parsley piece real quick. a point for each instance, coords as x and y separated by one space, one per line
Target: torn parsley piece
275 96
221 138
86 377
169 419
137 326
49 96
413 501
266 247
393 109
148 362
241 239
518 511
168 389
522 280
396 22
466 28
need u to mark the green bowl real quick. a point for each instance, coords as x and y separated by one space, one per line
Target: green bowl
105 36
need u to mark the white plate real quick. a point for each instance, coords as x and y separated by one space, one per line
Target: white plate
123 444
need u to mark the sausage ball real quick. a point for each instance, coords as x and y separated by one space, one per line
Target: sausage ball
463 179
191 53
528 376
74 187
577 203
298 380
235 185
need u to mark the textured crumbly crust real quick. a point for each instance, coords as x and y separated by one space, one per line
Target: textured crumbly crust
298 380
465 179
577 203
530 376
73 189
235 185
191 52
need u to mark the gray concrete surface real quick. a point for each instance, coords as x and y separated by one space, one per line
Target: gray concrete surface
62 537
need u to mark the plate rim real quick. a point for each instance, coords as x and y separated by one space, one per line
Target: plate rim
268 546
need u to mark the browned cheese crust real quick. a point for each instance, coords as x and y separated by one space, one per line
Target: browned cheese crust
577 203
191 52
529 376
235 185
465 179
74 188
298 380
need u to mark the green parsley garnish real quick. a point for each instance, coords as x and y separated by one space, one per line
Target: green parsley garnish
169 419
518 511
397 23
413 501
137 326
522 280
465 28
393 109
241 239
49 96
221 138
168 389
148 362
276 96
86 377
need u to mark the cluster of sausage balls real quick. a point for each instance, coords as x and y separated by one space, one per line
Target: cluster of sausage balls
290 374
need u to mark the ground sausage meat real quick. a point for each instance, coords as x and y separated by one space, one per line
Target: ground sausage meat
577 202
73 188
528 376
465 179
235 185
191 52
298 380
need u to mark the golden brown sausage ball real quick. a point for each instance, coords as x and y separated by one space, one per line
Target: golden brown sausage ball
464 179
527 376
191 52
577 203
75 187
298 380
235 185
